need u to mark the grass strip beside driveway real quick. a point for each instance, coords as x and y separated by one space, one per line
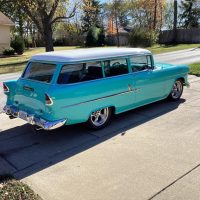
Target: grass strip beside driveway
157 49
195 69
15 190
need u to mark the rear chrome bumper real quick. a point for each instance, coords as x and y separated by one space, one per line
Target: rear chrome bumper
13 112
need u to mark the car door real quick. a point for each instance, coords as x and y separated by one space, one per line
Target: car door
119 80
147 80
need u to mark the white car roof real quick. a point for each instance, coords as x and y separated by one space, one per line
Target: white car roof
78 55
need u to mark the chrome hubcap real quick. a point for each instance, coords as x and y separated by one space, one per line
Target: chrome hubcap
99 117
177 90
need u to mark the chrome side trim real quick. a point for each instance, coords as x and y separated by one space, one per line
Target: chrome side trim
121 93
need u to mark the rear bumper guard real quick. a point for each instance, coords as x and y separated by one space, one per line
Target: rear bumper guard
13 112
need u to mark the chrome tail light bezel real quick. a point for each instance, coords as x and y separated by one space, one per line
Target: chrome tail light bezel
5 88
48 100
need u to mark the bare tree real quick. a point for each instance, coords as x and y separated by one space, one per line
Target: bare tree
117 13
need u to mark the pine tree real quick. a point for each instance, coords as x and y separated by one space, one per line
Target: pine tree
91 12
190 13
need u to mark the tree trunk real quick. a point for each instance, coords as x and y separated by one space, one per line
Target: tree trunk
32 34
20 22
117 29
48 37
155 15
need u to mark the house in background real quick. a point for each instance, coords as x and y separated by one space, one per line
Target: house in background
5 25
111 34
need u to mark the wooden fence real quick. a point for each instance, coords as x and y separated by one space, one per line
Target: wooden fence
183 36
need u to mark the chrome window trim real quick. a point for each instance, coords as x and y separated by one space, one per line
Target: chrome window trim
32 80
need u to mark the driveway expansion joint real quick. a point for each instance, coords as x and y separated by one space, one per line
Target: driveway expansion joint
174 182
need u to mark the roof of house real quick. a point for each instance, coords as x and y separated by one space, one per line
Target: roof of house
87 54
5 20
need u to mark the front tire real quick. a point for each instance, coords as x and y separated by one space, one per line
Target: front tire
176 91
99 119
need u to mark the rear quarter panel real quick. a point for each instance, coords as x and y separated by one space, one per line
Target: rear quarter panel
77 101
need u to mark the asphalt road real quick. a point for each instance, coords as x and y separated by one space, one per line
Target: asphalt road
178 57
147 153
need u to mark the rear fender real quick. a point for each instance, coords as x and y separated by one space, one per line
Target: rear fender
12 85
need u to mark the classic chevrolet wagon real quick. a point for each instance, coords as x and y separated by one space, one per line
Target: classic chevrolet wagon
89 85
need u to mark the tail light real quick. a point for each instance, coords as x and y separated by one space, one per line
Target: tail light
48 100
5 88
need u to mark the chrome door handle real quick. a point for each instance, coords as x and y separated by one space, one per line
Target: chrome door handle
137 90
130 87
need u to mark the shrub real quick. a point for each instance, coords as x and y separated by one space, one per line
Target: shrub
9 52
95 37
92 37
27 43
142 37
101 38
18 45
110 40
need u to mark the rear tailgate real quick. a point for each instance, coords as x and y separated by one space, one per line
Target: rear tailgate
29 96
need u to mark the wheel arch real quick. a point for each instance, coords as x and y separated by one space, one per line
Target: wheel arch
182 79
113 109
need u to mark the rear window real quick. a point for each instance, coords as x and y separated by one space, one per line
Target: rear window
40 72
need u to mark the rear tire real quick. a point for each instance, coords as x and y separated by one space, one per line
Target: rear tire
99 119
176 91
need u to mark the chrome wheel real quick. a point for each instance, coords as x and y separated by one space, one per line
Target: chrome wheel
177 90
100 117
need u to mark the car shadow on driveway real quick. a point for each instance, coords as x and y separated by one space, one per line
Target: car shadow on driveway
28 152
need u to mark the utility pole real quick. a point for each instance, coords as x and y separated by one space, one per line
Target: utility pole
155 14
175 22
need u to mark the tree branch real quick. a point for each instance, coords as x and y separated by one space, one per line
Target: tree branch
29 12
72 14
53 10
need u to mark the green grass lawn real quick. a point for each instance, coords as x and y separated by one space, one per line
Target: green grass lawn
17 63
195 69
169 48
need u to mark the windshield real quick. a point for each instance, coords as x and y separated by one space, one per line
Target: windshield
39 71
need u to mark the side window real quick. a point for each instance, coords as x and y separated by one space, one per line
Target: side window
149 61
140 63
74 73
115 67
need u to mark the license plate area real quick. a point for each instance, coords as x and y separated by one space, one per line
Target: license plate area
23 115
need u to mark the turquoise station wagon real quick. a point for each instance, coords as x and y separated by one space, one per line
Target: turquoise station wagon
89 85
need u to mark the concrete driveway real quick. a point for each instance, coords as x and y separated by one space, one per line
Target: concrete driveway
148 153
